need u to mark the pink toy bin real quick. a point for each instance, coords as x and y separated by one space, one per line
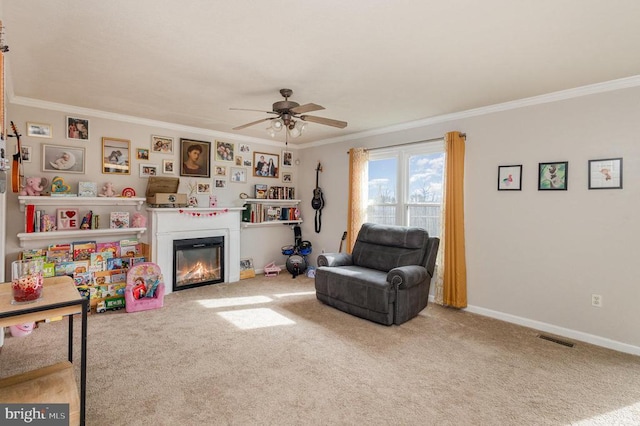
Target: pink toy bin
21 330
150 273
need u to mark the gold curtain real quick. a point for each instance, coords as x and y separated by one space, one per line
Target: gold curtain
454 286
357 211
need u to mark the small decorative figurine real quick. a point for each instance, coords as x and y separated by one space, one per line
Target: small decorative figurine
59 187
107 190
139 220
34 186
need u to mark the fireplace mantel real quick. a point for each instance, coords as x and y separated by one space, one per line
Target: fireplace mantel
168 224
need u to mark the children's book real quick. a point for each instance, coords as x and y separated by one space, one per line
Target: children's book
82 250
114 263
119 220
87 189
261 190
113 247
100 258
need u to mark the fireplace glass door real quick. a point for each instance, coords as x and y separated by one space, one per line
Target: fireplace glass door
198 262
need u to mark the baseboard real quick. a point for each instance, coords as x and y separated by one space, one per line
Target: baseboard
554 329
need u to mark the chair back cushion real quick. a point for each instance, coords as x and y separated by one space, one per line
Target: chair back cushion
384 247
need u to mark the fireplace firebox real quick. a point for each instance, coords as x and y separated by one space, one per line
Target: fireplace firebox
198 262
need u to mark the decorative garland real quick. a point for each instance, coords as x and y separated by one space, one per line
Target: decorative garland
201 214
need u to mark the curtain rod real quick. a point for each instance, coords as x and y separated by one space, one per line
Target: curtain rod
464 135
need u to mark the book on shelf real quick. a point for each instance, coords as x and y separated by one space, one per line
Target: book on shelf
112 246
119 220
87 189
82 250
260 190
29 218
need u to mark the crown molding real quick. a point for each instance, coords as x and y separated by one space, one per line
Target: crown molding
577 92
71 109
608 86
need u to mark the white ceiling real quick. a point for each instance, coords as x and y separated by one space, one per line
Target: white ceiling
372 63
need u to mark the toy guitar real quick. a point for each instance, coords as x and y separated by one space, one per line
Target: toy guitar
16 171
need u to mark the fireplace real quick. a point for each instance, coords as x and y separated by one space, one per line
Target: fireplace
167 225
197 262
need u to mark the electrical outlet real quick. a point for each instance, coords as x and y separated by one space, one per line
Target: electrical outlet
596 300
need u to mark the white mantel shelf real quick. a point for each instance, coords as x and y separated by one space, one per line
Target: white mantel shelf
80 201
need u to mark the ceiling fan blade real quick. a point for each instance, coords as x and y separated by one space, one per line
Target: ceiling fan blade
306 108
326 121
252 123
256 110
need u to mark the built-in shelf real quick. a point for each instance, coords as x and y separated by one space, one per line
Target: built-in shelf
271 203
82 234
80 201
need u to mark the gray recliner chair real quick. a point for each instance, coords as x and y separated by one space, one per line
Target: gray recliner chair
387 277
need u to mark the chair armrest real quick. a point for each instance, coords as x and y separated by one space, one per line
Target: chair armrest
407 276
335 259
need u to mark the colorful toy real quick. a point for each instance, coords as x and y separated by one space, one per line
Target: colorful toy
149 276
139 220
272 270
59 187
34 186
107 190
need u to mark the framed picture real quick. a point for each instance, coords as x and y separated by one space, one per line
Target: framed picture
247 162
142 153
203 188
244 148
266 165
224 151
510 178
238 160
77 128
220 170
195 158
67 219
116 156
27 153
238 174
287 159
168 167
246 268
287 177
39 130
161 144
553 176
147 170
58 158
220 183
605 174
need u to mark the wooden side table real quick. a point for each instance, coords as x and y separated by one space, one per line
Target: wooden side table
59 298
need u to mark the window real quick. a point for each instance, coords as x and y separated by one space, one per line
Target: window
405 186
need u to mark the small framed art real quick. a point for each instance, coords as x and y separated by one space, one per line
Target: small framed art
605 174
115 156
238 174
147 170
220 171
266 165
287 159
67 159
203 188
510 178
77 128
168 167
287 177
220 183
39 130
224 151
27 153
161 144
142 153
553 176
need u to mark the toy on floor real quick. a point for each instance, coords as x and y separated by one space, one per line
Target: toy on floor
272 270
297 260
145 288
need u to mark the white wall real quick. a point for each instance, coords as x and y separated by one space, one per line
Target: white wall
263 244
533 257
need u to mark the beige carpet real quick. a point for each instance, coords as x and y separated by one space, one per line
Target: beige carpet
264 351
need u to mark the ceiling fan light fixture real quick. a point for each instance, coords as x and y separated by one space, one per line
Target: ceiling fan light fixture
301 125
277 124
271 132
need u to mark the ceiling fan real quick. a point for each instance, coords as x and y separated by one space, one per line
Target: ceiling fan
287 112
